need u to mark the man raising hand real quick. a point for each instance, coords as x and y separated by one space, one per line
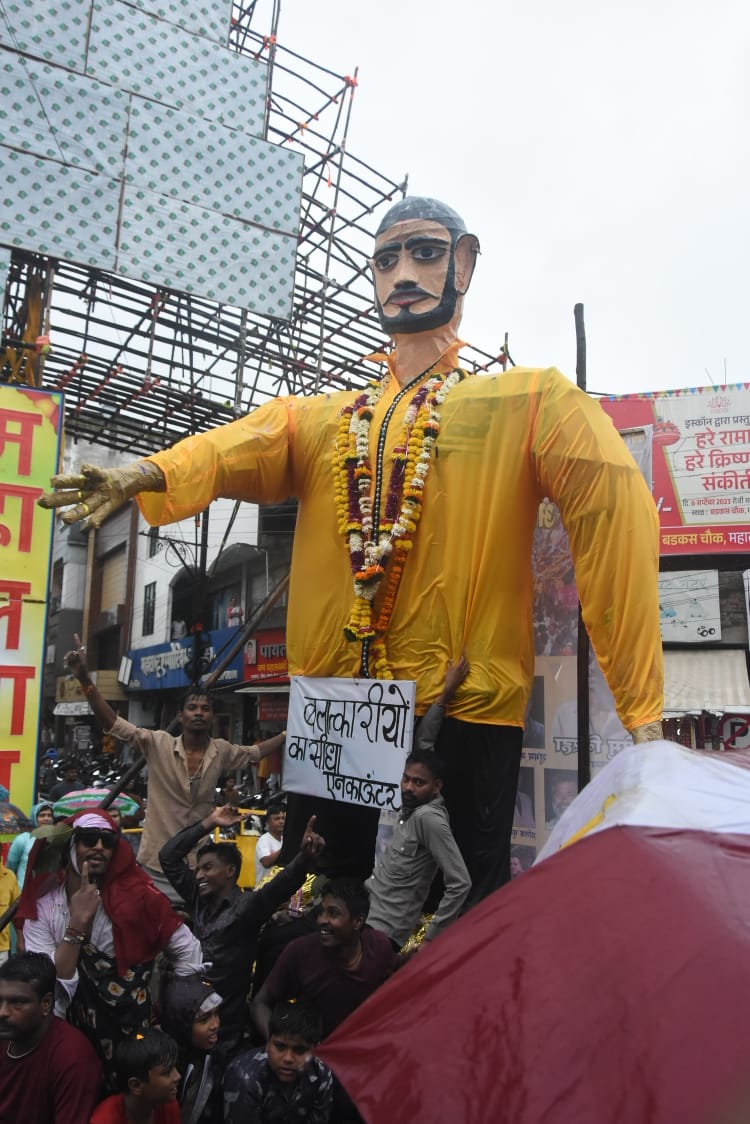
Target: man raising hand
227 920
183 772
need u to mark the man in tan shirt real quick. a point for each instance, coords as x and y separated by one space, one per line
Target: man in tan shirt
183 772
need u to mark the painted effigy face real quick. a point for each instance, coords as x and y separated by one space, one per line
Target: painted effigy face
422 264
414 276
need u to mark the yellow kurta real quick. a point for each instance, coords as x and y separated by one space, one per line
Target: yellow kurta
506 442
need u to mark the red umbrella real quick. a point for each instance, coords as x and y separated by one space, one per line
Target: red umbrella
609 983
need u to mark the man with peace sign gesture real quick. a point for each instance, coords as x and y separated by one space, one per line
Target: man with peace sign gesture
226 920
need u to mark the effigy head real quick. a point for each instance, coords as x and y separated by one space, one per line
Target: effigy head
422 265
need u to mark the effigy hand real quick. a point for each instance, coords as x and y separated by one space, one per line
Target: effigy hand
94 493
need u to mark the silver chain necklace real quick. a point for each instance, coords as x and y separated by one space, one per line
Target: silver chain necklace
17 1057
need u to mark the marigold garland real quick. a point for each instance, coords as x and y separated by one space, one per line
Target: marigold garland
353 489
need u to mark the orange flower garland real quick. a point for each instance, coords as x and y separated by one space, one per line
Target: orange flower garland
372 540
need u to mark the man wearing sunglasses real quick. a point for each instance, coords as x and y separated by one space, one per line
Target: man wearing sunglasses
103 925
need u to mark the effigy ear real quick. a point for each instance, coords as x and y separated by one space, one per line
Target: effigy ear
465 258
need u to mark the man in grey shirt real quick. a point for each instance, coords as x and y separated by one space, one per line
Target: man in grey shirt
422 844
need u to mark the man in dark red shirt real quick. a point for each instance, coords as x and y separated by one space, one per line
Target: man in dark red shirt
49 1072
337 967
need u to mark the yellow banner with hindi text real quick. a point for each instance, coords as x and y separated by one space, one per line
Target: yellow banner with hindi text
30 430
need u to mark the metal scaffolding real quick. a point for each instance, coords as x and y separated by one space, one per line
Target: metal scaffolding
142 367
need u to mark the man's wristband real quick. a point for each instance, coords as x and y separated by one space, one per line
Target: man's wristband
74 936
88 689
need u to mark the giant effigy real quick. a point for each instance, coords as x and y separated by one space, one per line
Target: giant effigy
417 504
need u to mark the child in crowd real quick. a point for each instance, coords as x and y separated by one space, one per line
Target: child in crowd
20 848
269 845
146 1067
190 1013
284 1083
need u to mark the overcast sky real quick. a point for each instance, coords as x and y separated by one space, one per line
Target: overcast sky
600 152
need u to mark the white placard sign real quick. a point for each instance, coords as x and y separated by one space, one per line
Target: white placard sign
347 739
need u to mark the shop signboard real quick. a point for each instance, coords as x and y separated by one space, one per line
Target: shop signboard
30 423
165 666
265 657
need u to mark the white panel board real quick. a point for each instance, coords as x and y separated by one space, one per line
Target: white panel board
176 154
162 62
59 211
190 248
184 108
55 31
59 115
201 17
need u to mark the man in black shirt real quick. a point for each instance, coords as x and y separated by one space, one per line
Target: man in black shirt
71 782
227 920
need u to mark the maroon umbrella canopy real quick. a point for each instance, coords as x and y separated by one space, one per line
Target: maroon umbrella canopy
608 985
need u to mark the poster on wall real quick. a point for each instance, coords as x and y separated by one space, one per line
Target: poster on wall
555 644
30 422
701 464
689 607
548 779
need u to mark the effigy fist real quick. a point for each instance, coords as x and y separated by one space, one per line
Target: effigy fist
650 732
94 493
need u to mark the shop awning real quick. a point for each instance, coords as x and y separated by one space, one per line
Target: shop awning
706 680
260 689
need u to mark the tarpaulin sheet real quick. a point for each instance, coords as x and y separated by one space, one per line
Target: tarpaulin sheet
609 983
660 784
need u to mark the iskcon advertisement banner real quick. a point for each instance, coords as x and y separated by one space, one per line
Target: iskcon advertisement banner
701 464
30 425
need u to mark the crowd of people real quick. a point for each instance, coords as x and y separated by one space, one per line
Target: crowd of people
205 1006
